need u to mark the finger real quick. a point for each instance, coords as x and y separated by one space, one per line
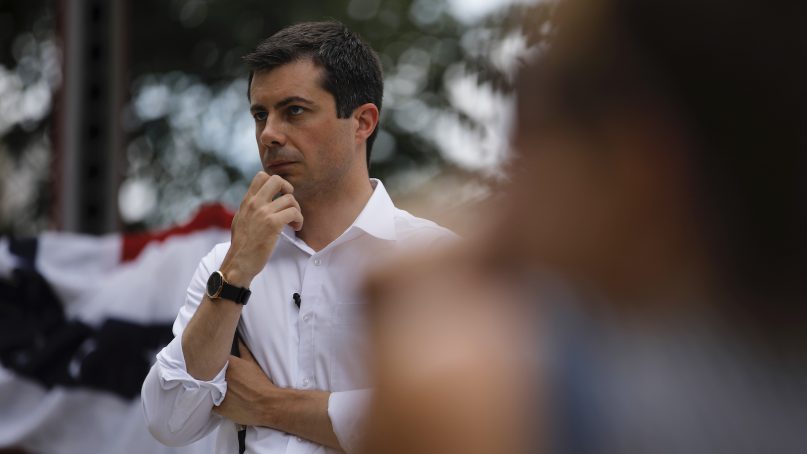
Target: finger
235 359
286 187
297 226
283 202
246 354
273 186
257 182
291 216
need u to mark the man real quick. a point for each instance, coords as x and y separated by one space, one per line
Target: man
307 227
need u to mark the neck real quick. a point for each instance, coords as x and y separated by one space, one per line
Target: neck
327 214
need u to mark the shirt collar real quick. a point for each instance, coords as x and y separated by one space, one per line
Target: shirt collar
377 218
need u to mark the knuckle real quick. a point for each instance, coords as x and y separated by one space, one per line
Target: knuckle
264 212
260 178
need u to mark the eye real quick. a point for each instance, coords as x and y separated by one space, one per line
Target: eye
295 110
260 115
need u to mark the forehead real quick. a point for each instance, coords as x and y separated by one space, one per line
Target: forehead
298 78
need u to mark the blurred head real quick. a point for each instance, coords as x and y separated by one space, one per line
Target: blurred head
351 72
659 137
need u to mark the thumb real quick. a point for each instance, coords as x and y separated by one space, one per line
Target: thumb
245 353
234 221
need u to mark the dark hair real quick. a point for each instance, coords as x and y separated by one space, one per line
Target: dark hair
352 73
734 73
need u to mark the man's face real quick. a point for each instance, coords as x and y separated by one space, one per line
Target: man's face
297 130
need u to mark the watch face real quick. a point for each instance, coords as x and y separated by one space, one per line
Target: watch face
214 284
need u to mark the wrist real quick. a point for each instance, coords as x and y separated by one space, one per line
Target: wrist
235 276
275 404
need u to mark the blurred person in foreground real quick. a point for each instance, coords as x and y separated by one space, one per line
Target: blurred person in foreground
309 225
644 289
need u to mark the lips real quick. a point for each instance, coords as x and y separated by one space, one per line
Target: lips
276 160
279 163
274 165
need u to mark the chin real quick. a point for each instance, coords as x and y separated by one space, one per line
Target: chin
283 174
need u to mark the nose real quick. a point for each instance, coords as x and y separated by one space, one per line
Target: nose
272 134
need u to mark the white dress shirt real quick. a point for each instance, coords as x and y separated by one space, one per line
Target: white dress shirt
322 345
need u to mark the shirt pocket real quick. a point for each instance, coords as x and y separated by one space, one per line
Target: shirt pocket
348 346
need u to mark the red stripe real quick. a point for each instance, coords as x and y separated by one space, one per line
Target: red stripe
208 216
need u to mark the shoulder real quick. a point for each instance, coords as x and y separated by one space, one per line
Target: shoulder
410 228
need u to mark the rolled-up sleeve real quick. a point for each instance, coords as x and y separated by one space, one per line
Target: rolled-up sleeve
177 407
347 411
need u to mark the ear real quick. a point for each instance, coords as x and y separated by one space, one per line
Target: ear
366 120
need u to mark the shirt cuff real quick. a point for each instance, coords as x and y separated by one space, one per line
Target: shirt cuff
173 372
347 411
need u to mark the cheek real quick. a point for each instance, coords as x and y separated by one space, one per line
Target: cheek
258 131
335 141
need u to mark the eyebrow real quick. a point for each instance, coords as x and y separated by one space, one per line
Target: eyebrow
283 103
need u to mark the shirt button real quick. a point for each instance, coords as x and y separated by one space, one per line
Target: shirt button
307 317
305 382
317 262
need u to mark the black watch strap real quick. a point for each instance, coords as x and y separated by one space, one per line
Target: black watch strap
238 294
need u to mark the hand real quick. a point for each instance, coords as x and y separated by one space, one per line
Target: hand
248 389
252 399
257 225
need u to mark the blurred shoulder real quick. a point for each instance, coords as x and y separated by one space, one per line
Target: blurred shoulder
410 228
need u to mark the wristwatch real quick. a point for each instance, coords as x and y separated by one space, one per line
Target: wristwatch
218 287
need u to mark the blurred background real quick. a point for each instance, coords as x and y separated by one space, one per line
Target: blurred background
120 115
659 233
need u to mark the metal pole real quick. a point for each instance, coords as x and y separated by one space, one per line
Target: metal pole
90 140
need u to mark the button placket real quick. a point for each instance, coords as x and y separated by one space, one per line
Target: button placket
312 288
306 348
